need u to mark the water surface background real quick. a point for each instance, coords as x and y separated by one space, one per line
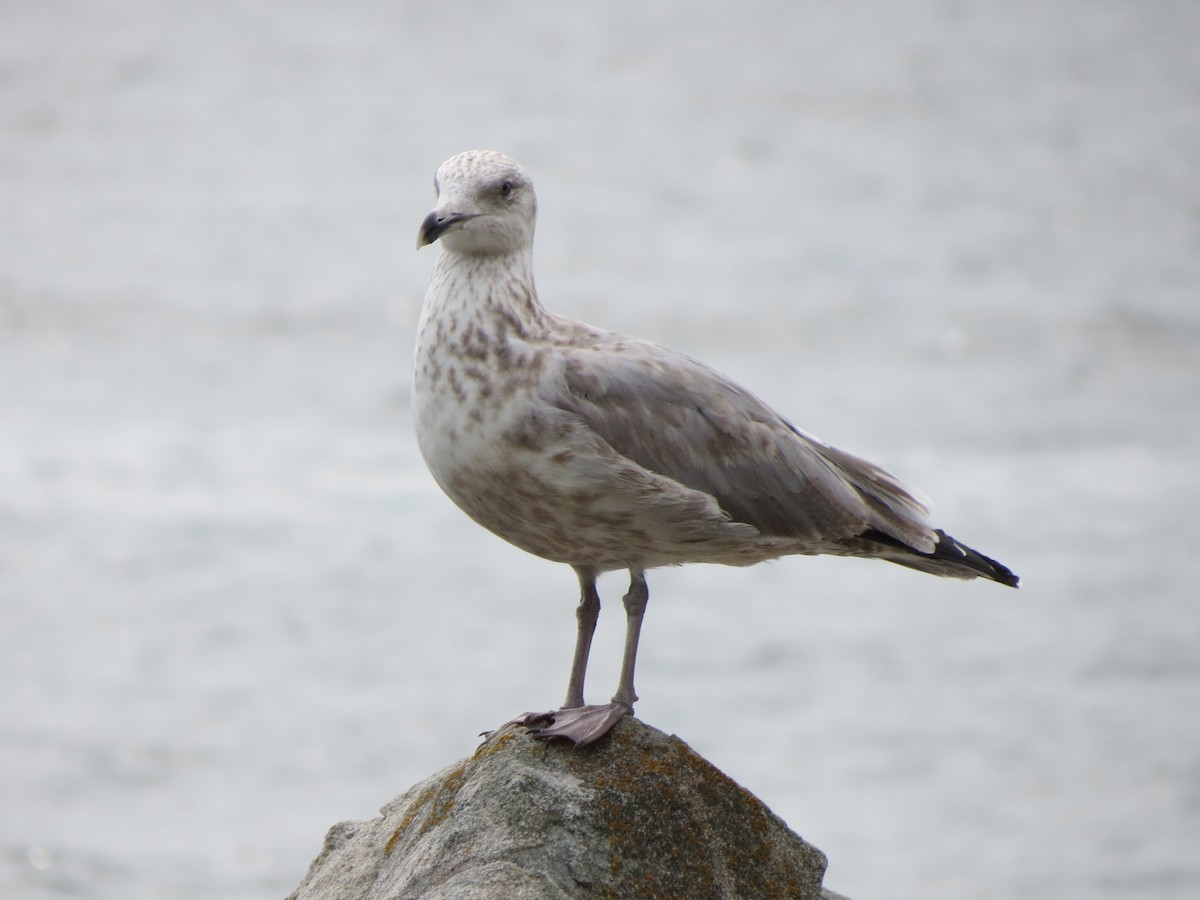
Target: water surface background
962 240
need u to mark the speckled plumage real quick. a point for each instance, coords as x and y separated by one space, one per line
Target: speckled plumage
605 451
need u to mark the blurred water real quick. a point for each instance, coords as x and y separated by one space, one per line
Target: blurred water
962 241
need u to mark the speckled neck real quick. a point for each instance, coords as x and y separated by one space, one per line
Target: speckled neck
498 288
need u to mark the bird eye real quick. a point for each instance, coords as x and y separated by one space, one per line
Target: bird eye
506 188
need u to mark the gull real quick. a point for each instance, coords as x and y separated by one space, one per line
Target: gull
608 452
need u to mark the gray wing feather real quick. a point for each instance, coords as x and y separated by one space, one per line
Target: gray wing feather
679 418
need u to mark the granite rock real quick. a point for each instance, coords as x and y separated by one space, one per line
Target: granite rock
638 814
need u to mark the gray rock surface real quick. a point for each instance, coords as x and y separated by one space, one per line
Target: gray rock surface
638 814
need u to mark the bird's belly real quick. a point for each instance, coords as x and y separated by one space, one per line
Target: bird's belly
459 429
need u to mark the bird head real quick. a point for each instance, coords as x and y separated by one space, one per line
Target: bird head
485 206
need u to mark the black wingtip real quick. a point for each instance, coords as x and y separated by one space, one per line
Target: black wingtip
949 558
963 557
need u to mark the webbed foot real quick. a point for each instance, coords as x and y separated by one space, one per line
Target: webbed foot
525 720
581 725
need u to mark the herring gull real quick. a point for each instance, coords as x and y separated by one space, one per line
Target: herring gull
606 452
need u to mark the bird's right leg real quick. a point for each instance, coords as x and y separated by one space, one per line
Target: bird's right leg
586 615
581 724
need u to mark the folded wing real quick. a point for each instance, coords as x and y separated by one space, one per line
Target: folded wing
679 418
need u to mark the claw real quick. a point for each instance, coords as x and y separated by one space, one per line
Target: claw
525 720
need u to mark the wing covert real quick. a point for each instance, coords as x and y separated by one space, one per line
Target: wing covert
679 418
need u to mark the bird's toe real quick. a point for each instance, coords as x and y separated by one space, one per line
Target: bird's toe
583 725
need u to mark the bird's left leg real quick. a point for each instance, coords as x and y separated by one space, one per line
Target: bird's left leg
584 724
635 608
